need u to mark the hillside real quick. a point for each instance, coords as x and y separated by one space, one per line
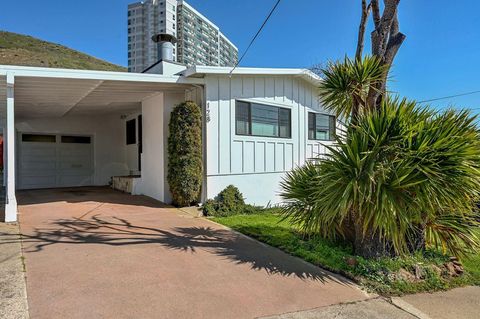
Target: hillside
18 49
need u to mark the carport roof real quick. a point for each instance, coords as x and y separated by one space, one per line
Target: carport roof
48 92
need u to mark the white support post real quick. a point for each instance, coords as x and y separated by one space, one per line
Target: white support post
4 159
9 164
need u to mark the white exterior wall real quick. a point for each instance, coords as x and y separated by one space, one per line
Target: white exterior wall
256 165
108 137
156 116
152 181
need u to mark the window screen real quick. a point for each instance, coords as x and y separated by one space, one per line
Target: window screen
321 127
262 120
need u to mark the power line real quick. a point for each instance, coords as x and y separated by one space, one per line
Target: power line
256 35
448 97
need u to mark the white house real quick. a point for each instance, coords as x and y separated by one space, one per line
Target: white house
68 128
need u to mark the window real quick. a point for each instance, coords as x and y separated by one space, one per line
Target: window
321 127
76 139
39 138
262 120
131 132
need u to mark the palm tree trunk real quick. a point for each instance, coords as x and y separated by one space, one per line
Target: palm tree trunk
368 244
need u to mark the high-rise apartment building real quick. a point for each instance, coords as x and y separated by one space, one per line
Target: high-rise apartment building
199 42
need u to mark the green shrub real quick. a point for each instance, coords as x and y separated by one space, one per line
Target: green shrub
229 202
185 154
403 175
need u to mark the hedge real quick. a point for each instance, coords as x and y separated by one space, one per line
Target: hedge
185 167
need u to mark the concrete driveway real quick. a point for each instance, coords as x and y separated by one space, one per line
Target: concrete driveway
98 253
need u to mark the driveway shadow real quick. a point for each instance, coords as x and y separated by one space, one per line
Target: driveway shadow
114 231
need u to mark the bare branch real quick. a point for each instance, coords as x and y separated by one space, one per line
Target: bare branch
375 12
361 29
394 29
381 34
393 45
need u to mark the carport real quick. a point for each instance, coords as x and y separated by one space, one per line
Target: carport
68 128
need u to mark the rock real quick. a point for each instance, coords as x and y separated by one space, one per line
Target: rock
437 270
405 275
351 261
459 269
453 269
419 272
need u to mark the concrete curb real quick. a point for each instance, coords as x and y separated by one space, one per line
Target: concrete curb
405 306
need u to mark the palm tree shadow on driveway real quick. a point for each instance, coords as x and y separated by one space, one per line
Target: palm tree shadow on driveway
115 231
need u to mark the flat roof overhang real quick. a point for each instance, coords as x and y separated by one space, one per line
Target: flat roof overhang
199 71
46 92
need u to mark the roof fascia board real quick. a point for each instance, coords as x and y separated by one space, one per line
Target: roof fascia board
22 71
304 73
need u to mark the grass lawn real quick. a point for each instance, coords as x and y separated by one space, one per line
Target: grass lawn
381 276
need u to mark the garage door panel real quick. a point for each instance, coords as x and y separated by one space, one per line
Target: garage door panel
71 151
59 164
75 172
37 172
48 164
39 151
65 168
38 181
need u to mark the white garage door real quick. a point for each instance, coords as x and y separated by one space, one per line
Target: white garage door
49 160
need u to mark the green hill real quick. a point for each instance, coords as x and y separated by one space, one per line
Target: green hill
18 49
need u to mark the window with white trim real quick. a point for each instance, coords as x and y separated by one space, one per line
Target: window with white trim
321 126
262 120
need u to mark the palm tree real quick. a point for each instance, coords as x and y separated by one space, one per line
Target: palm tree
347 84
402 172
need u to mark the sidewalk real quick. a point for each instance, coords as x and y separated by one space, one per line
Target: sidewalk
459 303
13 296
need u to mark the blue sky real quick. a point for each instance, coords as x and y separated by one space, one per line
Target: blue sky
439 57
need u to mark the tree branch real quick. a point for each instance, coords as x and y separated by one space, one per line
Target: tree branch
375 12
381 34
361 29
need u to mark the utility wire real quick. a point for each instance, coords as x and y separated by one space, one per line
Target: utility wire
448 97
256 35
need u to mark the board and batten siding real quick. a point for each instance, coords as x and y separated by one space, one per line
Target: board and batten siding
255 164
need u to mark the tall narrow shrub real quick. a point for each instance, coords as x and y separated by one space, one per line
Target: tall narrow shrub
185 153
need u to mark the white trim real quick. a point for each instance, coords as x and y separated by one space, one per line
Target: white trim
25 71
201 70
11 201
